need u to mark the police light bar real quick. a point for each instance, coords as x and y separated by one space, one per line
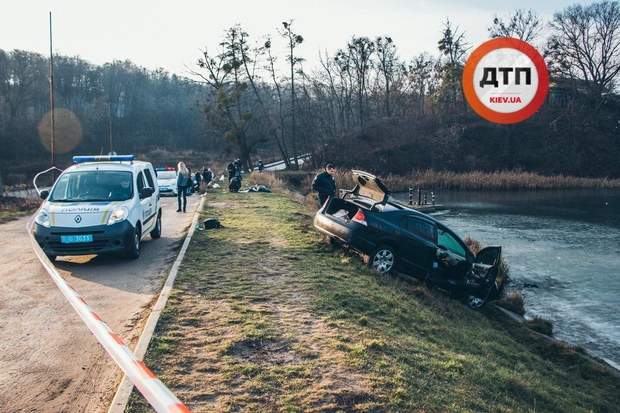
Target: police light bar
103 158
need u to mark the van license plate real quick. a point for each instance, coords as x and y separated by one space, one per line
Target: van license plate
76 239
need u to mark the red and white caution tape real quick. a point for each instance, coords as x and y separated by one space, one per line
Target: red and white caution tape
153 390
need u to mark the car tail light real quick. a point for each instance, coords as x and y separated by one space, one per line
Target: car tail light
359 217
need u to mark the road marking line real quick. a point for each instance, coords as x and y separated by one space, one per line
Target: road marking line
119 402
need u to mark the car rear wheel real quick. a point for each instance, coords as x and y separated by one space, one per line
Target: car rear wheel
156 233
133 247
383 259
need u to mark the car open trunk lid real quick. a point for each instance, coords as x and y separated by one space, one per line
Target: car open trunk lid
369 186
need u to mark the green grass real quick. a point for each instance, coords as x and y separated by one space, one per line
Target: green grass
265 317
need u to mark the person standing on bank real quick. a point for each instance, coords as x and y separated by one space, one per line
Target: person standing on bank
197 181
207 175
183 181
325 184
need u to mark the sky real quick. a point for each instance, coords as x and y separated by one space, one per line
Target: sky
171 34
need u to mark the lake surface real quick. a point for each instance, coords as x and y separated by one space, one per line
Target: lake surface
563 249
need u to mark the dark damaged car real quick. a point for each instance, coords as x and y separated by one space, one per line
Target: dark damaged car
395 237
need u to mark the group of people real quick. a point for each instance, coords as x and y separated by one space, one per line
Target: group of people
188 183
323 184
234 175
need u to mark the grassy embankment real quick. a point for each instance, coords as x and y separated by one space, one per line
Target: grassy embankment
265 317
474 181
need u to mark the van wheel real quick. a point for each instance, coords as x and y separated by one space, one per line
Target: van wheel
383 259
133 247
156 233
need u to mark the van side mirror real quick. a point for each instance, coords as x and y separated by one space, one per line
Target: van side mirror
44 194
146 192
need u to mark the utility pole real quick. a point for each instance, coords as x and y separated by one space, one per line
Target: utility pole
52 137
110 126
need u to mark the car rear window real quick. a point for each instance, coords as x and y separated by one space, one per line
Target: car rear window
421 228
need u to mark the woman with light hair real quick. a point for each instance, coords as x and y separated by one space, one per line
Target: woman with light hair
183 181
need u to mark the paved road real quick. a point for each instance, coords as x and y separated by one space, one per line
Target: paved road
49 361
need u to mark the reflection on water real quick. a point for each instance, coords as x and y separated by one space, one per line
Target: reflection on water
563 248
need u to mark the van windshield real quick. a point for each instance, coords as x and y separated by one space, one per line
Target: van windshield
92 186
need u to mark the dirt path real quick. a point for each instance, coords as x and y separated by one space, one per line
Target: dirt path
49 360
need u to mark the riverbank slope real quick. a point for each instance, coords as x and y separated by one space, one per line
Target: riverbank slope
265 317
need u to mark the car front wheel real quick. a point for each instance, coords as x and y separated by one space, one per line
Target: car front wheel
133 247
383 260
475 302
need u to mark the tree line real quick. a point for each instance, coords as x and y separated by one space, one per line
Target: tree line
120 107
364 104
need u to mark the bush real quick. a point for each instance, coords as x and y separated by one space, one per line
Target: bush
269 179
540 325
513 302
473 245
444 180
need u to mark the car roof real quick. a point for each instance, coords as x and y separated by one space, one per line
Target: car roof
108 166
403 209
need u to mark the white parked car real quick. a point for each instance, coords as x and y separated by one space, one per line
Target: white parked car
167 181
102 204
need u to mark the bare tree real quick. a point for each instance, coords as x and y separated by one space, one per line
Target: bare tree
420 72
585 45
360 51
522 24
293 39
454 47
387 66
227 105
249 64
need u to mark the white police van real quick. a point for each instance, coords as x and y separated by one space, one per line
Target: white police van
102 204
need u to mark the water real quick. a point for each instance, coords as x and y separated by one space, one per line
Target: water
563 249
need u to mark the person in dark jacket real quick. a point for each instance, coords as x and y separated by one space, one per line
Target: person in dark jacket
207 175
238 164
231 171
197 179
190 185
324 183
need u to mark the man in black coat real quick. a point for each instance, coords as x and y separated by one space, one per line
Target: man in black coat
325 184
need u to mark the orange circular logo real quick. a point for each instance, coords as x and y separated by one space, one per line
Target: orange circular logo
505 80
